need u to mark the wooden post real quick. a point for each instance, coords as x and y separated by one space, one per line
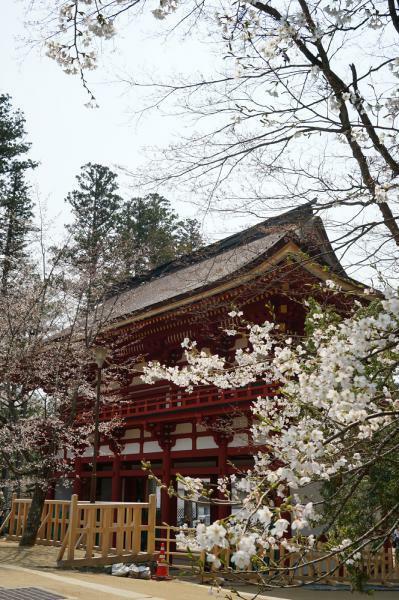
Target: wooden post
136 538
91 513
120 530
116 479
168 544
73 523
12 514
152 513
166 444
224 510
77 482
107 529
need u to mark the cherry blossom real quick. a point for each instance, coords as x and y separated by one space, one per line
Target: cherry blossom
336 390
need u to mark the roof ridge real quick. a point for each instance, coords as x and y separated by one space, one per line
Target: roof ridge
292 216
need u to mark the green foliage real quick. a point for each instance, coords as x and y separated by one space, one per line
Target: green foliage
189 236
150 233
12 133
113 240
375 494
16 206
146 234
95 206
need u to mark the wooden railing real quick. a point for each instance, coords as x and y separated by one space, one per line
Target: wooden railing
146 401
53 522
90 534
109 532
175 554
280 565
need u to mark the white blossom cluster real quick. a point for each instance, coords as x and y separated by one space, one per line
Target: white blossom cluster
37 448
80 24
332 399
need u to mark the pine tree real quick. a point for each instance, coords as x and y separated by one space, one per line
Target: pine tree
12 133
16 221
189 236
95 207
151 234
16 206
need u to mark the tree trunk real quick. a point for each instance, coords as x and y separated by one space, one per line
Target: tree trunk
33 521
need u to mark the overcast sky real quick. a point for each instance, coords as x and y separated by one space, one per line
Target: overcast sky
65 134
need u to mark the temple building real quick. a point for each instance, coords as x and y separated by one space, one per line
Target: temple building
267 272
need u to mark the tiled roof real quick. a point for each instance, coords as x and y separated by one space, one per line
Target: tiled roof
192 277
221 260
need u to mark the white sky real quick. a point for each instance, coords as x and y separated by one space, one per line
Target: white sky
65 134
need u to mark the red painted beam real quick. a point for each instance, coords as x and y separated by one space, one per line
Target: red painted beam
160 405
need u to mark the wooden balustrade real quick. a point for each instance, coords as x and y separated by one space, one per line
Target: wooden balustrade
146 401
90 534
279 564
53 522
316 566
110 532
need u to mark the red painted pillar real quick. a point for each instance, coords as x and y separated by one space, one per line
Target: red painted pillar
116 491
51 492
77 483
166 444
223 510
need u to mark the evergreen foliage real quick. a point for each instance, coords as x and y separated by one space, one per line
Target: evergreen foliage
123 239
150 234
95 206
189 236
16 206
12 134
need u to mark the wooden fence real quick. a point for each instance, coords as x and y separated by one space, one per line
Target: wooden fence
175 553
53 522
109 532
316 566
279 564
90 534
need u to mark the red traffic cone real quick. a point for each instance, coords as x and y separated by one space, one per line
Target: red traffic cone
162 571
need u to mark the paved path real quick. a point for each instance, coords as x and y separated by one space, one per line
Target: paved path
35 568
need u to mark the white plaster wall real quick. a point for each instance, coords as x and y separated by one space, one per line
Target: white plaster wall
206 441
239 439
312 493
240 422
183 428
105 451
261 441
88 451
132 448
183 444
151 447
200 428
132 434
